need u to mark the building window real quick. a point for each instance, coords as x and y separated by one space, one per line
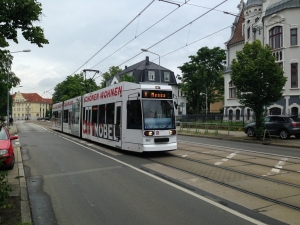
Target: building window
232 90
166 76
294 111
275 35
151 75
275 111
280 65
294 75
294 37
248 33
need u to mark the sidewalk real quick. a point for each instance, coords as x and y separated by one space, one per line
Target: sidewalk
16 178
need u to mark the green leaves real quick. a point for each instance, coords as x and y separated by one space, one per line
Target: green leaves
257 77
72 87
203 74
21 14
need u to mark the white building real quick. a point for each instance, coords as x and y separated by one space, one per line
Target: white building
274 23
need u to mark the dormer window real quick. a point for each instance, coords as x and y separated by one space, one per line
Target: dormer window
167 76
151 75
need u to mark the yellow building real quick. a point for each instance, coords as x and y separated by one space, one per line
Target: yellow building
29 105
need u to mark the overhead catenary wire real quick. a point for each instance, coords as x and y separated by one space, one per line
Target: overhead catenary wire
114 37
138 35
176 31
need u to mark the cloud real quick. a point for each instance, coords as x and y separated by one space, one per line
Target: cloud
77 30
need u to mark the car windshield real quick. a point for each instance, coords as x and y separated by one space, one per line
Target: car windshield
3 135
158 114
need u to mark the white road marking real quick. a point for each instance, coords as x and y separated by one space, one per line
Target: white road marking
276 168
226 159
238 149
174 185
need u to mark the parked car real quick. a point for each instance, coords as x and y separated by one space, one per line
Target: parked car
283 126
177 123
7 149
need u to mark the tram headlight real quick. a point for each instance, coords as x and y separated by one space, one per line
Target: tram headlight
149 133
172 132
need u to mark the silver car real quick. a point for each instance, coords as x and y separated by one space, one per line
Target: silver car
283 126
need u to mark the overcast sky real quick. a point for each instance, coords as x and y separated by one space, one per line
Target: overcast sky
78 29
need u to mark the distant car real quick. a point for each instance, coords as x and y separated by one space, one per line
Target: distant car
177 122
7 149
283 126
47 118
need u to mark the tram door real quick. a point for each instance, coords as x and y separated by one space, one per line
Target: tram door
88 118
118 124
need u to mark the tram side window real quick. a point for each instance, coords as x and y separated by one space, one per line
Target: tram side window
110 112
134 114
94 114
66 117
101 114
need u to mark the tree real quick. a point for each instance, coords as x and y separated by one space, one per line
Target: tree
128 78
113 70
8 79
258 79
72 87
17 15
203 74
20 14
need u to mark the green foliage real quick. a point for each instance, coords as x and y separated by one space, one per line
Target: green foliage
203 74
21 14
128 78
258 79
16 15
72 87
5 187
113 70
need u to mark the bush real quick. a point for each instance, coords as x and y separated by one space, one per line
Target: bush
5 187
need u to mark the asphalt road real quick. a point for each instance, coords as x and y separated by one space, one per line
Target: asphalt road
76 183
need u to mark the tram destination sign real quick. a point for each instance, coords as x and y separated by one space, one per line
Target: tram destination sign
157 94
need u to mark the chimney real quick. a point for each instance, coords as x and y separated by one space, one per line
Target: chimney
147 60
125 67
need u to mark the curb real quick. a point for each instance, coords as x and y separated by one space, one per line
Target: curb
22 191
25 208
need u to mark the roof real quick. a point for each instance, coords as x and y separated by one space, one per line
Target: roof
281 5
238 31
251 3
35 98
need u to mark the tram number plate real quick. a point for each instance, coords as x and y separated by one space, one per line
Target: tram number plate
161 132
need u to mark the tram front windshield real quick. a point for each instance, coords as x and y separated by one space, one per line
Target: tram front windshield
158 114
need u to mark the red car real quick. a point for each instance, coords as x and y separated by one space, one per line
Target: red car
7 155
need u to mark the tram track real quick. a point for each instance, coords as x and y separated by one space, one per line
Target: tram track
259 186
245 161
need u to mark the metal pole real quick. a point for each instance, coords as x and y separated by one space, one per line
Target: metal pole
146 50
206 105
7 100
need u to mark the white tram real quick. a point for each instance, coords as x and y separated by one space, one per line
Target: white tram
133 117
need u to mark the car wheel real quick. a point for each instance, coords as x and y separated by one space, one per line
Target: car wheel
284 134
11 166
250 132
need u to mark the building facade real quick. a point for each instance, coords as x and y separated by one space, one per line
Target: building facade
30 105
149 72
275 23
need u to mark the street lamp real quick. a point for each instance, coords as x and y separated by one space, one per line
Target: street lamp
201 93
146 50
26 50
